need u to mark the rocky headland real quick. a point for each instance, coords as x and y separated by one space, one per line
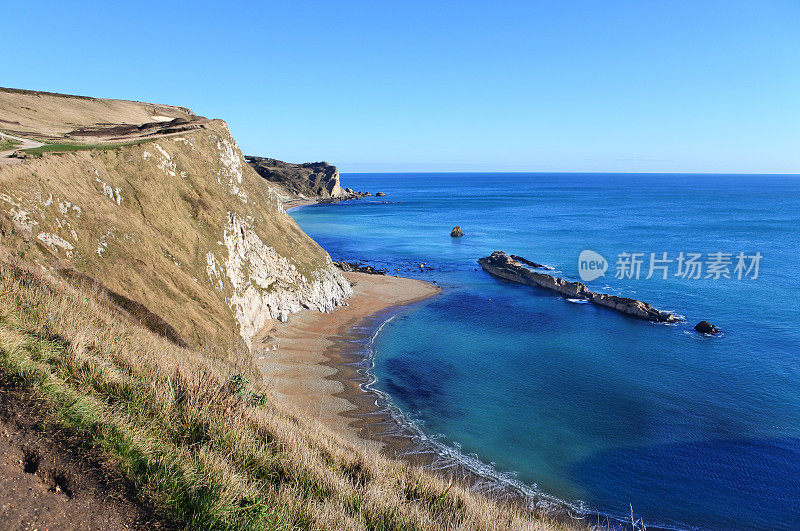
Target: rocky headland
310 179
505 267
305 183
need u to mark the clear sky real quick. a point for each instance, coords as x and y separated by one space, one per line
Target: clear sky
606 85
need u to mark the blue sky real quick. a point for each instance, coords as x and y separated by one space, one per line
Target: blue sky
711 86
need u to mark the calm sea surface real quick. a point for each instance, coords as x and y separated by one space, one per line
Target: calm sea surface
585 404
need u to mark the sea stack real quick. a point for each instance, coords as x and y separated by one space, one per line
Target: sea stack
456 232
704 327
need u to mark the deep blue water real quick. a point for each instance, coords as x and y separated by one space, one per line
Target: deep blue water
586 404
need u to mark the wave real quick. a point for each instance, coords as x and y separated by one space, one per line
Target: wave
578 301
449 455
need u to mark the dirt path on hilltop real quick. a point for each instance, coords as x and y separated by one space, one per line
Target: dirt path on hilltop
24 144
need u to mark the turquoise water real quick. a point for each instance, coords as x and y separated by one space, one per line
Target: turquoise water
585 404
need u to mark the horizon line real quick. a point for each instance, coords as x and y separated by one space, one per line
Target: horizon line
797 174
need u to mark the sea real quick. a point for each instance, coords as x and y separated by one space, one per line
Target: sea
607 413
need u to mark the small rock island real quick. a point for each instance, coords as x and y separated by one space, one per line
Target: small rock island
456 232
505 267
704 327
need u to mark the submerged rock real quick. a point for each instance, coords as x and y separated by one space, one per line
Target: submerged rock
704 327
456 232
504 266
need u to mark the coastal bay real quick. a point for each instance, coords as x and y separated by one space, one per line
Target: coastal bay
293 356
586 405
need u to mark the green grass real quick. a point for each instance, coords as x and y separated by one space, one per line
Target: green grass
6 144
61 147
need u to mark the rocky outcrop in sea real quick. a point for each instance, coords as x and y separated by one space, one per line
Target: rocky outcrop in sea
505 267
350 267
704 327
527 262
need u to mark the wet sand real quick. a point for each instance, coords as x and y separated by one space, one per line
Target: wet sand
307 362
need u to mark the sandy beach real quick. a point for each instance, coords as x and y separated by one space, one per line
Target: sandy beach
299 358
294 203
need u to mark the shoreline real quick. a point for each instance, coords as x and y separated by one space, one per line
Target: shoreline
297 203
298 360
291 204
377 419
322 368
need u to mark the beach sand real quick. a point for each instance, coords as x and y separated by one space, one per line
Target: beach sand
305 371
295 203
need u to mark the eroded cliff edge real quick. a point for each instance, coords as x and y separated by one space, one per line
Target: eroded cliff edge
179 223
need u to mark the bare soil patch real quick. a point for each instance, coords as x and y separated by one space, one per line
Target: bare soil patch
50 480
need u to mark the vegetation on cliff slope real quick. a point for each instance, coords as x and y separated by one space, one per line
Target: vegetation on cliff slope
7 143
51 116
178 223
200 445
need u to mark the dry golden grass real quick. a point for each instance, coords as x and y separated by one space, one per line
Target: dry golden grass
151 246
200 444
51 116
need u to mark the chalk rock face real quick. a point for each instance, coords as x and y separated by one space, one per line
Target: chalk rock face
310 180
266 285
704 327
503 266
456 232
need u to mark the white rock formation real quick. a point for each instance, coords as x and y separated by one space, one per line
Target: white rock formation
265 285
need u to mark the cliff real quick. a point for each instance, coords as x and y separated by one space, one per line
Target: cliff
503 266
311 180
130 259
174 221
